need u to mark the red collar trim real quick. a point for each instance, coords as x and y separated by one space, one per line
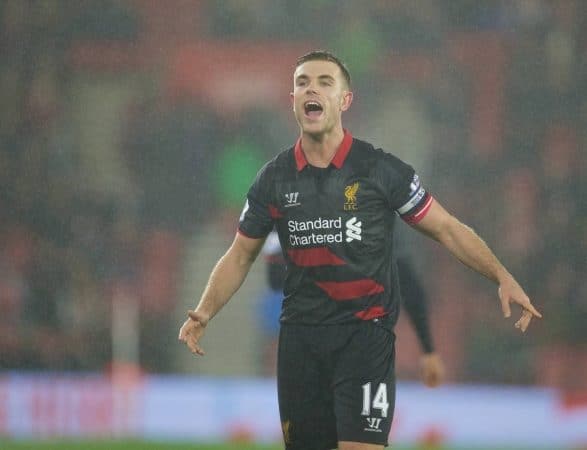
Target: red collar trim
339 156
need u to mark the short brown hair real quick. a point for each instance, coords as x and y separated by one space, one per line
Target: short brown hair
323 55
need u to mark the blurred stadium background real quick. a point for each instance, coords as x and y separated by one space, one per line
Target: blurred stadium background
130 131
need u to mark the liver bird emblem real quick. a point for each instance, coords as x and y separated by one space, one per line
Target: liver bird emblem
350 192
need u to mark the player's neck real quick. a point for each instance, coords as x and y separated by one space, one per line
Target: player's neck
320 149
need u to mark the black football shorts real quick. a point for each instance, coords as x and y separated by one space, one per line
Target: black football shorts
335 383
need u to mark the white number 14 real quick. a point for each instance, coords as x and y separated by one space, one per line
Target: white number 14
379 400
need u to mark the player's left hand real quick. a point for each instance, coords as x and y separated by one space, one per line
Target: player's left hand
510 292
432 369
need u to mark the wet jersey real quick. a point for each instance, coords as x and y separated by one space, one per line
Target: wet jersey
335 227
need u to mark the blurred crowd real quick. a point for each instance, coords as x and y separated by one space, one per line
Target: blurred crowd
487 98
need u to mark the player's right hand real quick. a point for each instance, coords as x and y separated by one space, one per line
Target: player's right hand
432 369
191 331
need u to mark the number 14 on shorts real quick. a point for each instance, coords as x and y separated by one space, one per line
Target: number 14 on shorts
378 401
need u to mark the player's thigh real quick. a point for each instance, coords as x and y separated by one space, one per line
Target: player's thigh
305 394
365 387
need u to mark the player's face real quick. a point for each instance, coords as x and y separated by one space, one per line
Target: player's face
320 96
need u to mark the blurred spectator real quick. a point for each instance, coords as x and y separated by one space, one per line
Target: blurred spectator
103 20
169 148
268 308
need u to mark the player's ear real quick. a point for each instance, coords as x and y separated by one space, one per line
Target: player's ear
291 99
346 100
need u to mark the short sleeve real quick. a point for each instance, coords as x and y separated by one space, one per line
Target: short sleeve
407 195
256 220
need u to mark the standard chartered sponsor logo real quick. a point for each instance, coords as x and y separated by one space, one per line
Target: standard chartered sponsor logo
322 231
353 229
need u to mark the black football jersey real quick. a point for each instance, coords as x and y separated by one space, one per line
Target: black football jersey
335 227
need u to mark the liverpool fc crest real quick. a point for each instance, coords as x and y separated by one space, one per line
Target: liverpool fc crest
350 193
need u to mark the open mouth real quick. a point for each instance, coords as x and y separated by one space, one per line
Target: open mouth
313 109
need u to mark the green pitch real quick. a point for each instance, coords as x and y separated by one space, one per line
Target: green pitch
123 445
140 445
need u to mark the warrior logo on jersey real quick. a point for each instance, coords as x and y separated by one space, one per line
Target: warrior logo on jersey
350 192
292 199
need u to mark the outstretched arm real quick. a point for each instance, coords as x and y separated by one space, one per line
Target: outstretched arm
225 279
472 251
